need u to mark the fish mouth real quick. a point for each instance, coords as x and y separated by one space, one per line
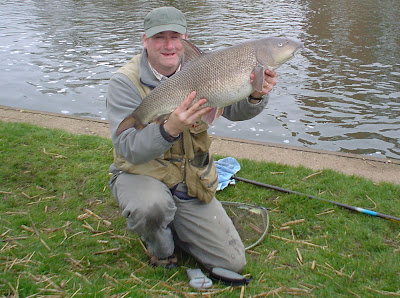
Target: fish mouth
289 56
298 49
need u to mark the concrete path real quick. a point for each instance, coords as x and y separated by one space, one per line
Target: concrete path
376 169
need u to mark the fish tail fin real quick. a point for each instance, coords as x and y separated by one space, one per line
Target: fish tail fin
129 122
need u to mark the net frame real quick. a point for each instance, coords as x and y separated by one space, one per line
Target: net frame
249 209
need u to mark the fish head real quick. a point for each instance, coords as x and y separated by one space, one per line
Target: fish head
272 52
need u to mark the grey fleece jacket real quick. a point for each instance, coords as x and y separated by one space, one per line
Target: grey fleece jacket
140 146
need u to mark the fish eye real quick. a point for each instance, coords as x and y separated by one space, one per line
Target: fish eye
280 44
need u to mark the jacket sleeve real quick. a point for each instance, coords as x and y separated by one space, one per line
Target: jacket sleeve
136 146
245 110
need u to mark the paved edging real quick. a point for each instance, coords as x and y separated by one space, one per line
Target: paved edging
376 169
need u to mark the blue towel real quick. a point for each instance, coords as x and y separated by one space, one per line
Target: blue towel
226 168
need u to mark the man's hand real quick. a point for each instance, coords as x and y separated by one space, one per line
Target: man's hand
184 115
270 80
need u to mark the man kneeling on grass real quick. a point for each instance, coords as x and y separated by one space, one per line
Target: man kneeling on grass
164 178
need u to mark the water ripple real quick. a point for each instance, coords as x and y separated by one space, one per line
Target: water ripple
342 93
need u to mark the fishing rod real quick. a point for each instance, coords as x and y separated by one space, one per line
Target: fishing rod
353 208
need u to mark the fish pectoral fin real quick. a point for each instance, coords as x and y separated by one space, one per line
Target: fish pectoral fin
190 51
127 123
215 113
258 81
220 111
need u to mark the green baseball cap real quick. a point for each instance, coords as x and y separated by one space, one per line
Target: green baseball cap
164 19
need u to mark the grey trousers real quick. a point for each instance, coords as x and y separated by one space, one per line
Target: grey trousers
203 230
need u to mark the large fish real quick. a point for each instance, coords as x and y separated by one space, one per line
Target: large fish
221 76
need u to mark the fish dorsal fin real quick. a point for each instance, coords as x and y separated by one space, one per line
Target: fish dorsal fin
191 52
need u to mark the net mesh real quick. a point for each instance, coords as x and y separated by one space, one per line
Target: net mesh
251 221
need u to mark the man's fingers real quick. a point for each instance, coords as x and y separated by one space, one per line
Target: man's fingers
198 114
197 104
189 112
271 77
196 111
271 73
188 101
252 76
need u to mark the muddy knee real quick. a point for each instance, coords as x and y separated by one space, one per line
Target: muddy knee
237 262
147 218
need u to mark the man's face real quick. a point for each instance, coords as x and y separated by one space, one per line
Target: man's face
164 51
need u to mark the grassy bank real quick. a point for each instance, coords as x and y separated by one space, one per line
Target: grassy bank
61 232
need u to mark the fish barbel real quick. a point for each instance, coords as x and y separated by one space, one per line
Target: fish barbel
221 76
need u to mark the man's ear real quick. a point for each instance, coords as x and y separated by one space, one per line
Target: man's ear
144 38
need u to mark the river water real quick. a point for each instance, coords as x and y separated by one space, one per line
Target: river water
342 93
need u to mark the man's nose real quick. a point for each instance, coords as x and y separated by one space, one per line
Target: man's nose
168 43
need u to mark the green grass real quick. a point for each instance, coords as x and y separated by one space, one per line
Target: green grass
61 232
